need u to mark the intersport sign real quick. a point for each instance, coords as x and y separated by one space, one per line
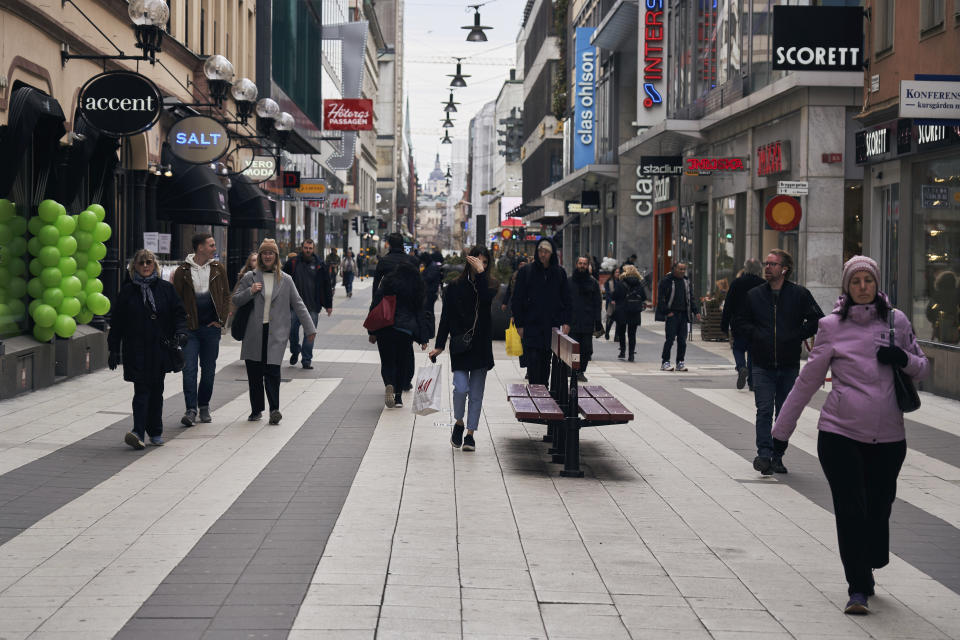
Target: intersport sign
817 38
120 103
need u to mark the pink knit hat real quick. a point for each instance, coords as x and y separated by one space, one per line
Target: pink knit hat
859 263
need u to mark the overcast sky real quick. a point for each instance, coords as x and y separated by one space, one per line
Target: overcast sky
432 30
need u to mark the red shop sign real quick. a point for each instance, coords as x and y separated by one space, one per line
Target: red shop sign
353 114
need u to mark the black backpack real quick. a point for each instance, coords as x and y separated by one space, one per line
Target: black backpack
635 298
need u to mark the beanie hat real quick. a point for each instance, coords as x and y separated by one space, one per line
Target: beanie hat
269 244
859 263
545 244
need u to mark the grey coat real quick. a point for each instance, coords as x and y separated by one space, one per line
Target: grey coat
285 298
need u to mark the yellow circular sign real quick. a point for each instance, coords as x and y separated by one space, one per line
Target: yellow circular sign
783 213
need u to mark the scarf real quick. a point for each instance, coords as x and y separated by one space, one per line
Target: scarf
144 284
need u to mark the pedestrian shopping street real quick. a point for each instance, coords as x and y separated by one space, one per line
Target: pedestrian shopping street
349 520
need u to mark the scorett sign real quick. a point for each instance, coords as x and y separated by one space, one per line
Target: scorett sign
817 38
198 139
120 103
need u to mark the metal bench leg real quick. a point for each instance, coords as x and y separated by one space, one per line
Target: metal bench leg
571 459
550 433
559 443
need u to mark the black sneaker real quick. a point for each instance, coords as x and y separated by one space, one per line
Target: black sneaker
630 358
133 440
468 443
293 358
307 365
621 355
189 418
398 401
456 438
205 414
256 415
741 377
275 417
762 464
776 465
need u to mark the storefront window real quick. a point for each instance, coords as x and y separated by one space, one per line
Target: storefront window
936 250
724 258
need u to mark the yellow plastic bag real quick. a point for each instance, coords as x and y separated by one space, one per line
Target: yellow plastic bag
514 345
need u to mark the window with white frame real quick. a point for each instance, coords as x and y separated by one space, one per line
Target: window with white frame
931 14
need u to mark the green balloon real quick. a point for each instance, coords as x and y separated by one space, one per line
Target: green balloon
81 259
49 256
69 307
35 267
87 221
93 268
6 234
18 246
98 251
43 334
44 315
67 266
18 225
93 286
84 240
33 305
70 285
35 224
5 315
82 297
49 210
99 211
102 232
35 288
53 297
48 235
66 225
67 245
84 316
65 326
17 266
98 303
82 276
4 278
34 246
51 277
17 288
7 210
17 309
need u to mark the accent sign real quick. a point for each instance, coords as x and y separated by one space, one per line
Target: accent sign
807 38
349 114
198 139
120 103
584 108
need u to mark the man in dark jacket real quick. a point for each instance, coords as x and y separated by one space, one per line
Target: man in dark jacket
585 305
676 305
736 297
540 303
395 256
312 279
776 318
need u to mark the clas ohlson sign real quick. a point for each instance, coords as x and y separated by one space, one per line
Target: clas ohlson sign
584 106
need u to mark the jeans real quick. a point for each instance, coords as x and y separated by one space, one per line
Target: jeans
203 344
586 348
770 389
148 407
677 328
396 351
306 347
627 336
263 377
741 355
863 483
348 282
469 383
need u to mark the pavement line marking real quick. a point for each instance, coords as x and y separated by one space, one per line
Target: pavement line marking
926 483
916 593
121 539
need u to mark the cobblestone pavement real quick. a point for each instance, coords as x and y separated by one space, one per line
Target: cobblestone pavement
349 520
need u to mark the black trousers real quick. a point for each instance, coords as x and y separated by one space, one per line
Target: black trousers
677 327
863 482
263 377
396 357
586 348
627 335
148 407
538 364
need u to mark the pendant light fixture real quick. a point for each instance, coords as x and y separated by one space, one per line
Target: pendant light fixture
448 123
446 138
476 30
448 174
458 78
450 106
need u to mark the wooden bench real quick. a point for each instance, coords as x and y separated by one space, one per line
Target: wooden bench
566 408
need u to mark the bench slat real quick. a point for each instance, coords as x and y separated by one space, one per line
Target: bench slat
592 410
549 409
615 408
596 391
537 391
524 408
517 390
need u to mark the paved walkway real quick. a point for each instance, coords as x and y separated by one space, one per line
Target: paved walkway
349 520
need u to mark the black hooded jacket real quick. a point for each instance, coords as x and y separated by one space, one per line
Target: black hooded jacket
776 326
586 302
541 300
405 283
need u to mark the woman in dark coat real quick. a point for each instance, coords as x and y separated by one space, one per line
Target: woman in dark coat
609 288
630 299
466 309
148 322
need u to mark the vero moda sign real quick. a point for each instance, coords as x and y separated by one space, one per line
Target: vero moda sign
349 114
817 38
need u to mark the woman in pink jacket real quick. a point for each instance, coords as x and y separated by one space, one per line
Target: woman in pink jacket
861 442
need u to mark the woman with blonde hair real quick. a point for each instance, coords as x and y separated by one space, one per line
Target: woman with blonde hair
629 300
274 297
148 323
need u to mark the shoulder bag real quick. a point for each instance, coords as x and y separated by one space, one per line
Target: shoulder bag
907 397
382 315
241 317
462 342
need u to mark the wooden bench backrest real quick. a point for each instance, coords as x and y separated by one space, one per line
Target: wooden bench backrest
567 349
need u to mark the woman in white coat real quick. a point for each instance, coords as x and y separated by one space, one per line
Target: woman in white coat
274 296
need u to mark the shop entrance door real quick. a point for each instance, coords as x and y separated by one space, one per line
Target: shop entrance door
889 199
662 245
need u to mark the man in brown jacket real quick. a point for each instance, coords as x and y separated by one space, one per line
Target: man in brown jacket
201 282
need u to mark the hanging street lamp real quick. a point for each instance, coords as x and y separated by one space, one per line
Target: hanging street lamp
448 123
450 106
446 138
476 30
458 78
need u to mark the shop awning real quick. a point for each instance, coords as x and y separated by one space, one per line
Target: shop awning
582 179
666 138
618 29
249 207
33 119
90 160
194 195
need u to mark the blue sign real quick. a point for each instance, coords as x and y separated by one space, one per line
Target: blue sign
584 99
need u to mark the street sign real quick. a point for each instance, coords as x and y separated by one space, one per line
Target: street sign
291 179
313 186
339 203
792 188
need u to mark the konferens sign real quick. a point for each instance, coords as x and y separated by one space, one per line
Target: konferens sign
198 139
120 103
809 38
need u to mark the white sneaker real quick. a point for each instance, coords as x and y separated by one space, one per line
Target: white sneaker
681 366
666 367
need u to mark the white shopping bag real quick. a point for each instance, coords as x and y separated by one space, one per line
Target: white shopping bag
427 390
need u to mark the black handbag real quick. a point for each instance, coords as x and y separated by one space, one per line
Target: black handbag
907 397
462 342
173 359
240 319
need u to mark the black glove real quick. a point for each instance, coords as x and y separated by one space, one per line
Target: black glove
892 355
113 360
181 339
779 447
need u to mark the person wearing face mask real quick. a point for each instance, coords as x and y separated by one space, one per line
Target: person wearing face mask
585 304
861 439
274 297
147 319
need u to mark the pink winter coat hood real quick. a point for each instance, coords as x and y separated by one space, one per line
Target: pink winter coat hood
862 404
